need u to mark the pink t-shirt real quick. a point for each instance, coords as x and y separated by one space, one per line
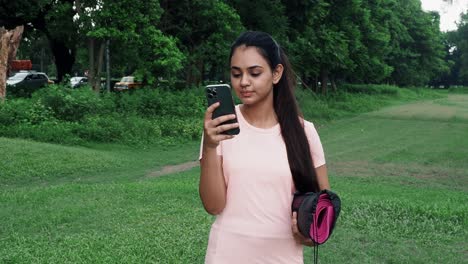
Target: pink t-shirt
259 182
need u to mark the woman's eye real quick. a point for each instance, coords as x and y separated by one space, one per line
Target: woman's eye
255 74
235 75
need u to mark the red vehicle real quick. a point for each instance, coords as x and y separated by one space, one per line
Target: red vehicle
127 83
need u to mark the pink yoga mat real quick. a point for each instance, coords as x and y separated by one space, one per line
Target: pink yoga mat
323 219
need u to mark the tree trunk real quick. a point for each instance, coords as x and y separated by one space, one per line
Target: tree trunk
108 77
201 70
324 80
95 63
315 84
91 72
333 84
64 57
9 43
14 44
5 36
100 60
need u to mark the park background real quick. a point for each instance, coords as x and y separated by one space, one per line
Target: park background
83 172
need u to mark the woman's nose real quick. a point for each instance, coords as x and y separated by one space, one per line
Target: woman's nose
244 80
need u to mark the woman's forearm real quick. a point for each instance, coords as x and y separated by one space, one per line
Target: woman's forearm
212 186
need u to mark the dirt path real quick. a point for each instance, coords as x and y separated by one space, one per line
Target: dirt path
173 169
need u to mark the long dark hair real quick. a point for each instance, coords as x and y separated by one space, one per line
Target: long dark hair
286 109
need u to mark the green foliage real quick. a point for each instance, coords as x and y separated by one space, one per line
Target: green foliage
460 90
417 51
24 111
75 116
371 89
48 131
461 44
161 103
255 16
356 41
72 105
204 36
144 50
162 60
150 116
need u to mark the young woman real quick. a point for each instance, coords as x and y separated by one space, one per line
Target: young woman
248 180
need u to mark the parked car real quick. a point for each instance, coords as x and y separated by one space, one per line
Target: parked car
24 83
127 83
77 82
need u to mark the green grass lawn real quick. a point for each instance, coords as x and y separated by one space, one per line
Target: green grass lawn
402 178
27 163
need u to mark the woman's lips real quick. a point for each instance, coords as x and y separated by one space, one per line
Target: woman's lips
246 94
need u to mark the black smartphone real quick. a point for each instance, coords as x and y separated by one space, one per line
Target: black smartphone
222 93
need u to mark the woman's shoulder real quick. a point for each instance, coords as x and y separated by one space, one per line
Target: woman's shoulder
307 124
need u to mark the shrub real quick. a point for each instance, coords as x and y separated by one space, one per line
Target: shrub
156 103
27 111
54 132
371 89
461 90
73 104
100 129
61 115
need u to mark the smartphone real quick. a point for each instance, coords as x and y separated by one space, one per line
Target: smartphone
222 93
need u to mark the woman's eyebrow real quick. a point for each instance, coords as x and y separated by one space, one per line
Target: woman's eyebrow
251 67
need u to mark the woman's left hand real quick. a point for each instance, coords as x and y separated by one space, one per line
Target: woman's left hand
297 235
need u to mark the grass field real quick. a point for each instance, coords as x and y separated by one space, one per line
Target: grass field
402 174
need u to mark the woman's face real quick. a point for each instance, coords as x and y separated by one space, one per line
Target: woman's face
252 77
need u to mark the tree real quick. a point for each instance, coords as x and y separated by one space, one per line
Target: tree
53 18
417 51
155 54
462 49
67 23
35 47
373 47
205 30
263 15
324 37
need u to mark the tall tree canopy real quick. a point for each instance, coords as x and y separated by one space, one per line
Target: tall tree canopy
205 29
357 41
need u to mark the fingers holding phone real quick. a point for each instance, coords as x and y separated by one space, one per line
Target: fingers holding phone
220 117
215 129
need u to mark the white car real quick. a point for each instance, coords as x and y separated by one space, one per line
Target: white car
24 83
78 81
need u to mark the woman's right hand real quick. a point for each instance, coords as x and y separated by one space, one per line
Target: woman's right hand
212 128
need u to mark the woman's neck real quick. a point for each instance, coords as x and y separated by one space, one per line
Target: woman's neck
261 115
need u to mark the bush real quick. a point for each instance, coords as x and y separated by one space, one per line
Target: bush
16 111
371 89
54 132
156 103
73 104
146 116
459 90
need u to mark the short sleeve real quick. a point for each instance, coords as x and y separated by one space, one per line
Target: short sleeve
316 149
218 149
